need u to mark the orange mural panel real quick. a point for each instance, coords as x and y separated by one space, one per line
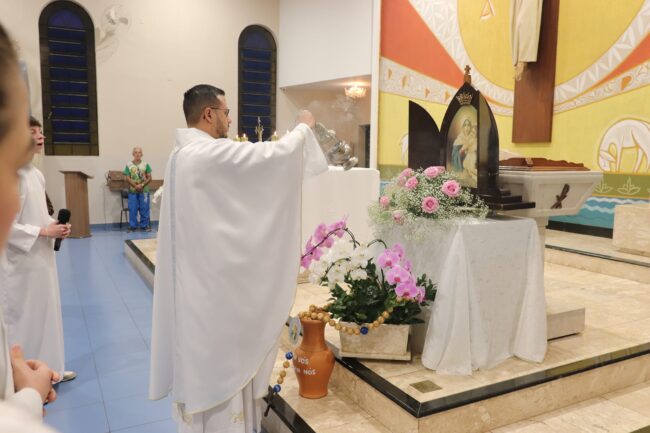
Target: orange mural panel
406 39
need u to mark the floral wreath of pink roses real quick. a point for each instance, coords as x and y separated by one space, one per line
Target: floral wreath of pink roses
430 193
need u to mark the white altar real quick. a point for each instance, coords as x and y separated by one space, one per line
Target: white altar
336 193
490 303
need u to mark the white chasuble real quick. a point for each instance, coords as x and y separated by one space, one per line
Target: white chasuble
525 22
29 285
227 263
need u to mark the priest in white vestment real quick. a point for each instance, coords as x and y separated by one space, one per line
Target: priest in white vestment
29 284
227 263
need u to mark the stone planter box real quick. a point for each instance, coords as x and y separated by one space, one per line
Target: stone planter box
419 330
385 342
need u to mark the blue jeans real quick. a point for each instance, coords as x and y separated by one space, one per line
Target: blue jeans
139 202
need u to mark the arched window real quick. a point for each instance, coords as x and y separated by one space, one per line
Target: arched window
257 78
68 80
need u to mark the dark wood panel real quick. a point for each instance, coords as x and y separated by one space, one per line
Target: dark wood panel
533 106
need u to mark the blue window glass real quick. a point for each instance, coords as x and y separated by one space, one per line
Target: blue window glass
69 90
66 18
257 81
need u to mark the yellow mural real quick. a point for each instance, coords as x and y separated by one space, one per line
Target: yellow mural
595 38
586 30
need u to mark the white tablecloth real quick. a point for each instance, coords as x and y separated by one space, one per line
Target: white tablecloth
490 303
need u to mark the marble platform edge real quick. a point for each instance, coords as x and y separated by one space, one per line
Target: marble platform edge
140 262
419 409
140 255
598 255
561 226
645 429
287 416
422 409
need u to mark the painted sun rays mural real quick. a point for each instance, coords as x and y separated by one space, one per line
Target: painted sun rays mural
601 114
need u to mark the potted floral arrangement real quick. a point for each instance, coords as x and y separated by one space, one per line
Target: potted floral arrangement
374 295
425 194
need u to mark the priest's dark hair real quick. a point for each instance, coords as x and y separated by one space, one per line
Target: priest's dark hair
197 98
33 122
8 60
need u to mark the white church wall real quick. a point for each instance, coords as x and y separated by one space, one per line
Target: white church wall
323 40
335 111
142 73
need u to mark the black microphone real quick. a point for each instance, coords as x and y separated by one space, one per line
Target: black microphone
63 218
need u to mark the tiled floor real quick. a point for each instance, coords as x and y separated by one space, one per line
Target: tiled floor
107 323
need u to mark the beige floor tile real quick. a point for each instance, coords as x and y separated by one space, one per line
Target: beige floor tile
147 247
590 243
368 426
595 415
334 410
514 367
592 342
637 331
449 384
525 427
394 368
636 398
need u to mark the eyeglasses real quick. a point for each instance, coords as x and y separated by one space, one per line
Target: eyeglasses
227 110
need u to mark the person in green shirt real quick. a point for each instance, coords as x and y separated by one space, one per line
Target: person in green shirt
138 175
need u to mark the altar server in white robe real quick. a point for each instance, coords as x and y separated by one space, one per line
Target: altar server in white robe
29 285
227 264
24 385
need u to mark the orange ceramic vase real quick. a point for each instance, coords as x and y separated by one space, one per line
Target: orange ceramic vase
313 361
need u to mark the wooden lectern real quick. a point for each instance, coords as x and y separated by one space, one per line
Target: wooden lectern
76 199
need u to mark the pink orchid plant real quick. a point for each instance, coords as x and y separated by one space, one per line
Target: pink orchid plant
364 280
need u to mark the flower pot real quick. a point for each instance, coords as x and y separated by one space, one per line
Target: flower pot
313 361
385 342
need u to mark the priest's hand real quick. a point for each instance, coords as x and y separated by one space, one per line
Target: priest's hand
33 374
307 118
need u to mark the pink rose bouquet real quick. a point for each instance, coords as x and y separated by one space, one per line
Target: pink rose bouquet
430 193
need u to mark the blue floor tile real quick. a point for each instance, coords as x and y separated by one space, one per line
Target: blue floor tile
136 410
82 391
117 357
85 419
83 365
125 383
166 426
106 310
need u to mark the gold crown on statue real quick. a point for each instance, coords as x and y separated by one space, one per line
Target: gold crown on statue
464 98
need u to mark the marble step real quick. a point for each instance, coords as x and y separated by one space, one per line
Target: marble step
625 411
354 405
601 264
563 318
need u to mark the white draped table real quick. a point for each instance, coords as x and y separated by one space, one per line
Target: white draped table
490 303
